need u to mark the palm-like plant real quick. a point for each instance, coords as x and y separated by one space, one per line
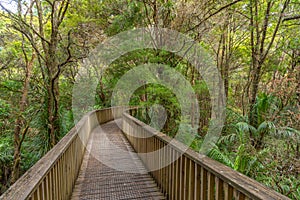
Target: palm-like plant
244 159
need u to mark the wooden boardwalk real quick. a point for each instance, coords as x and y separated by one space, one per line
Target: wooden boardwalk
109 168
101 175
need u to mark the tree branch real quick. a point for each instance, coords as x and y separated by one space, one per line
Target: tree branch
213 14
62 11
265 27
291 18
286 3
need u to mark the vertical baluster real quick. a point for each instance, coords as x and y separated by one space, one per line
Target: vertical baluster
137 140
235 194
211 185
177 176
166 160
71 171
67 178
219 188
55 182
238 195
186 177
66 174
62 179
169 185
159 165
166 169
203 183
60 176
191 180
133 135
34 195
147 149
163 173
52 186
157 160
154 161
43 192
47 187
228 192
182 186
180 178
144 139
171 167
197 182
39 195
73 165
152 158
173 189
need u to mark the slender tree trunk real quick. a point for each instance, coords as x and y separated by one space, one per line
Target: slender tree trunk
254 90
53 84
53 112
20 121
260 48
53 103
101 93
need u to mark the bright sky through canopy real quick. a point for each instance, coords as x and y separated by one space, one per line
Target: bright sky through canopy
10 5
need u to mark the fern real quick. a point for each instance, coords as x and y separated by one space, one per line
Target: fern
286 133
228 139
217 155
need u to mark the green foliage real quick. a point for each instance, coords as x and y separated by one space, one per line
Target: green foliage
6 150
125 18
239 151
31 151
67 121
158 95
5 110
6 158
267 150
244 158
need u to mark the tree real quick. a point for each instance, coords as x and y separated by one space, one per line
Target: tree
262 27
52 46
21 125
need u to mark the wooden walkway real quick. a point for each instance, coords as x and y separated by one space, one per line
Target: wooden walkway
109 168
101 175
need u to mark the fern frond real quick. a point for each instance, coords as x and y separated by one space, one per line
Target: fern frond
217 155
228 139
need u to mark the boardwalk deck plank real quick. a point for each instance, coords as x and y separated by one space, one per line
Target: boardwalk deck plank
96 180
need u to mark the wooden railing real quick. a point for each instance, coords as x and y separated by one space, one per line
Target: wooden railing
191 176
54 175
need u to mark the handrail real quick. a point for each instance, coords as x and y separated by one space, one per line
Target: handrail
191 176
54 175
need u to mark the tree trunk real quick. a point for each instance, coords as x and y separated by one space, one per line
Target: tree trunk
53 85
53 104
254 90
19 135
53 112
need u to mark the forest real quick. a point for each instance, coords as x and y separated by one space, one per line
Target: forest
254 44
